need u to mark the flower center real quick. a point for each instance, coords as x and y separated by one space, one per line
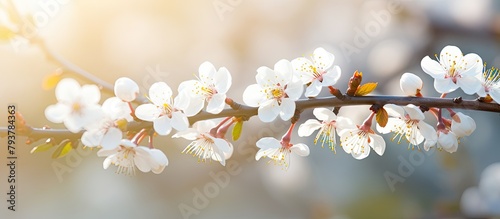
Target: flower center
76 107
277 93
317 74
167 109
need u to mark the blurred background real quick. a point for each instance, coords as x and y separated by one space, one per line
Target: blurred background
155 40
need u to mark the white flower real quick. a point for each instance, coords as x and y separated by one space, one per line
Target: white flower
462 125
319 71
490 86
164 113
410 84
326 133
77 105
483 201
211 87
279 152
204 145
409 125
128 156
358 140
126 89
275 92
105 132
446 140
454 70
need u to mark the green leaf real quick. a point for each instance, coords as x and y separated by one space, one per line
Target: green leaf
63 149
382 117
237 130
43 147
365 89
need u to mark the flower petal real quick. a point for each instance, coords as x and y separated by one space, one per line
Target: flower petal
287 109
160 93
67 90
111 139
331 76
57 113
300 149
450 55
323 59
471 65
179 121
304 69
91 94
294 90
252 96
284 71
394 110
147 112
189 134
377 143
267 111
308 127
495 94
268 143
162 125
445 85
206 71
469 84
360 156
216 103
222 145
159 157
313 89
195 106
414 112
265 76
432 68
324 114
91 138
222 80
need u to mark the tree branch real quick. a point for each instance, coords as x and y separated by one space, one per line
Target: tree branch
247 111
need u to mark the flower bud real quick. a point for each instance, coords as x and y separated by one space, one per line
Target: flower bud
411 84
126 89
462 125
447 141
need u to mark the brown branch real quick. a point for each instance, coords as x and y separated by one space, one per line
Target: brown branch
247 111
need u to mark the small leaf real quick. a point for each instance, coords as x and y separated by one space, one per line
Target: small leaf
382 117
6 33
237 130
63 149
365 89
43 147
50 81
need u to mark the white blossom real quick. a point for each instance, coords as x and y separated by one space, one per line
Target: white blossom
279 152
317 72
128 156
204 144
454 70
275 92
163 111
407 122
77 106
211 87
